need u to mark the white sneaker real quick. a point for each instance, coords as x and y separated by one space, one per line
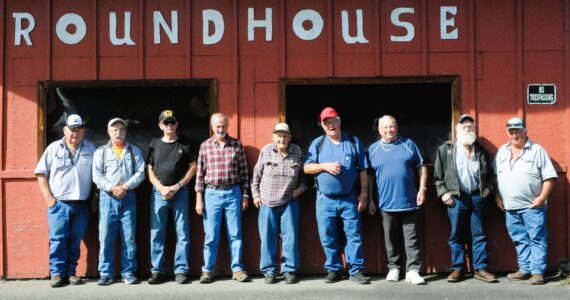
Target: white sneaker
414 277
393 275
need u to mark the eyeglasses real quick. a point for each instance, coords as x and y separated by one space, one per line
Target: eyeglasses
169 122
467 127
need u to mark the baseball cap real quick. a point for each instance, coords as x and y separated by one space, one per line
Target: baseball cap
328 112
281 127
515 123
165 115
74 121
115 120
465 117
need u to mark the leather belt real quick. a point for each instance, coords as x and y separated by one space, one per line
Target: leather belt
222 187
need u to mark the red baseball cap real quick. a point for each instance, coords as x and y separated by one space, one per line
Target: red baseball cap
328 112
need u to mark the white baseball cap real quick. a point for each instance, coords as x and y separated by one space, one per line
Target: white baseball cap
74 121
281 127
115 120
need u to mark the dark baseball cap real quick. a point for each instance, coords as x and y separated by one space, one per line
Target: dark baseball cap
166 115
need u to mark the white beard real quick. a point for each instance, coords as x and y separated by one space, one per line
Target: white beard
466 138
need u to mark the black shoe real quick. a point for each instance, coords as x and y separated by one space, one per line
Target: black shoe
56 281
333 276
181 278
269 278
74 280
290 278
358 277
156 278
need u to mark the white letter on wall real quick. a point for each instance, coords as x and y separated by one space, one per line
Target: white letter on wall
126 40
445 22
252 24
20 32
171 32
395 18
308 15
214 16
64 35
359 38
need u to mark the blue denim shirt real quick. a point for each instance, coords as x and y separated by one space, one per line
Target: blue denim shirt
69 176
118 171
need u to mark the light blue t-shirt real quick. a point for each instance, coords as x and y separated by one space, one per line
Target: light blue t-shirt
394 165
343 183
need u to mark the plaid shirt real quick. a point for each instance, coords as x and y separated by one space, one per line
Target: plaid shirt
275 177
222 166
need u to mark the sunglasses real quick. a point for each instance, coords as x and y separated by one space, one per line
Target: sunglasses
515 124
169 122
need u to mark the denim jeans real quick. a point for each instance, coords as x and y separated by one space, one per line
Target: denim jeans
220 203
329 212
159 208
397 225
117 217
68 221
271 221
468 212
527 228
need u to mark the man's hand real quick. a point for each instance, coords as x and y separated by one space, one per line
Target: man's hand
244 203
332 167
485 193
166 192
421 197
538 202
371 207
362 202
119 191
296 193
257 202
499 202
447 199
199 204
51 201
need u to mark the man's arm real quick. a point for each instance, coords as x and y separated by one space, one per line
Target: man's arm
363 196
165 191
422 173
45 190
547 187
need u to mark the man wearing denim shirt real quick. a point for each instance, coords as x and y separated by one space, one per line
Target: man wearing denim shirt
221 188
64 178
336 160
118 168
276 187
525 176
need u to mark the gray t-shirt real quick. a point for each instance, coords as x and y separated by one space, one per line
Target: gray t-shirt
521 182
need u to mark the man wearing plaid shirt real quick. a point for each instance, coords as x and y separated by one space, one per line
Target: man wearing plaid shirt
221 189
276 187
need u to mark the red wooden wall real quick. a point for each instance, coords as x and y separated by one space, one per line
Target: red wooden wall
502 47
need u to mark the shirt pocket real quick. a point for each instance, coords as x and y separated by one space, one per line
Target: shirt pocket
61 163
501 163
527 166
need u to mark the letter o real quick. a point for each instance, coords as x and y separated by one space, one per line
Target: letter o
64 22
308 15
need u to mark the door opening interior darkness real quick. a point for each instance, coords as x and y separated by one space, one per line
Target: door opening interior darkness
423 111
138 105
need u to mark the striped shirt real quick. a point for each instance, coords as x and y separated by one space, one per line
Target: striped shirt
275 177
221 165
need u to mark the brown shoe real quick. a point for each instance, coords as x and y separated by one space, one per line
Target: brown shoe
537 279
517 276
455 276
206 277
484 275
240 276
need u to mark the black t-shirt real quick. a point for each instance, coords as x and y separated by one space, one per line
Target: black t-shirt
170 161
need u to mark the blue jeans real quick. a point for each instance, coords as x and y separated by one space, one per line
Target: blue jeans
469 212
68 221
220 203
527 228
329 212
159 208
270 221
117 217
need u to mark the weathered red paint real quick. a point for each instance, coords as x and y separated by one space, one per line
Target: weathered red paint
502 47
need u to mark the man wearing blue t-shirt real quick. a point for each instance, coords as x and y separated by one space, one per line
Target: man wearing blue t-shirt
395 161
336 160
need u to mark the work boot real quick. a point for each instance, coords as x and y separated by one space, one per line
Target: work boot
485 275
206 277
156 278
56 281
455 276
74 280
517 276
290 278
270 278
333 276
181 278
240 276
358 277
537 279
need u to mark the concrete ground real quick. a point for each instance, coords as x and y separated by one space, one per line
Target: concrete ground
309 287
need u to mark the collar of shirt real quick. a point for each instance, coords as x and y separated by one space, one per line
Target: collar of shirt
275 149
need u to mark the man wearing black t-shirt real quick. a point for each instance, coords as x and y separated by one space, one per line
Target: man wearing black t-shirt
171 165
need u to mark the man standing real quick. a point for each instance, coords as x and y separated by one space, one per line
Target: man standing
118 168
171 165
337 159
221 188
395 161
276 187
525 178
460 177
64 178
